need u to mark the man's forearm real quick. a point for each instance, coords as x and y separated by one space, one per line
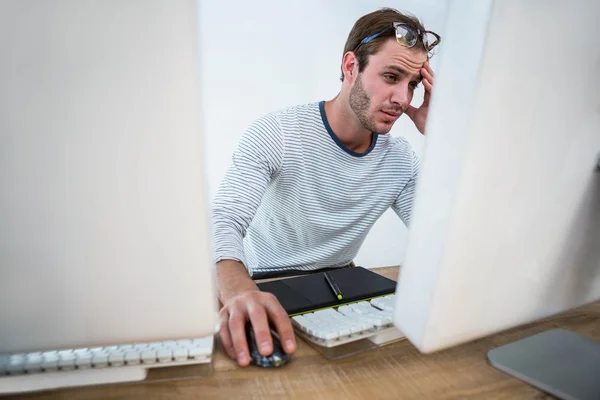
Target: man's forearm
232 279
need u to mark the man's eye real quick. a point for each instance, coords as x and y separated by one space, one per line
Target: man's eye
414 85
390 77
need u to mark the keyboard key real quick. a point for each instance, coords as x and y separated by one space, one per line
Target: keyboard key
34 362
164 355
205 342
50 361
377 321
355 329
97 350
329 312
83 360
149 357
326 335
116 358
385 316
16 364
180 354
100 359
344 332
362 308
132 357
188 346
200 352
385 302
345 310
66 360
4 359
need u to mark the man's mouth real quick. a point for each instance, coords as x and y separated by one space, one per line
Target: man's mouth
392 114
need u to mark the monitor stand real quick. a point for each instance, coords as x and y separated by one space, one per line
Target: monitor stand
559 362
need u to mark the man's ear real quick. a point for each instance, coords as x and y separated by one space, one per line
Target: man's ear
350 66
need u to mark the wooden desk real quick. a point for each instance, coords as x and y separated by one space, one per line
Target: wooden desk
390 372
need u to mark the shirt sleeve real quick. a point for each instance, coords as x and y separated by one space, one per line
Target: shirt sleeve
256 160
404 202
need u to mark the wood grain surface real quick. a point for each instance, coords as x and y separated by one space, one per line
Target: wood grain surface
395 371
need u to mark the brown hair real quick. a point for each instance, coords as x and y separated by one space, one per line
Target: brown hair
371 24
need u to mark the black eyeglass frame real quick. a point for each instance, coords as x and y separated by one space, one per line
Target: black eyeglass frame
401 30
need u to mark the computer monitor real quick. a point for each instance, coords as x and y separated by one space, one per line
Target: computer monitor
506 222
104 233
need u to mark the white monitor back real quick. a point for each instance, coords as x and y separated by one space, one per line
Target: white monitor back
104 230
506 222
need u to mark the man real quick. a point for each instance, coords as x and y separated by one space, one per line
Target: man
307 183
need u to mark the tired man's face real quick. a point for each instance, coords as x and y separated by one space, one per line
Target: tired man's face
383 91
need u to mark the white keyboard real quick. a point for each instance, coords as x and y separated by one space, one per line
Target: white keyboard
330 328
85 366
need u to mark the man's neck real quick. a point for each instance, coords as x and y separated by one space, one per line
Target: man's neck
346 127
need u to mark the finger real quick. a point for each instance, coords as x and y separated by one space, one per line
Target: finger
426 75
282 324
260 325
412 111
225 335
428 85
427 67
427 95
237 328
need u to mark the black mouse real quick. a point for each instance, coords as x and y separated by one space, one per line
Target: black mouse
277 358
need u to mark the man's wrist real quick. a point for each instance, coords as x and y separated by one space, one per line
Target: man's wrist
233 279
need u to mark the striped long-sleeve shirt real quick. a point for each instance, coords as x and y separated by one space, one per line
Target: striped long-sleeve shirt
296 198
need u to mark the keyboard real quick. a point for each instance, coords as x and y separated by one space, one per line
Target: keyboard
351 322
86 366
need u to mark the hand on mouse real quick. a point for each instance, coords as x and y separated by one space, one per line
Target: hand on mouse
257 307
277 359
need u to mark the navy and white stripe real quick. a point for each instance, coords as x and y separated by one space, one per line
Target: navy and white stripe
295 197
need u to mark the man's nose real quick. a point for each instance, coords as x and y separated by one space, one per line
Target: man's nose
401 96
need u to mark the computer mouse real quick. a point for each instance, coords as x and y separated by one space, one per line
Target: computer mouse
277 358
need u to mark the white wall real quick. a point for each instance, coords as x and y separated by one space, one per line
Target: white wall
263 55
